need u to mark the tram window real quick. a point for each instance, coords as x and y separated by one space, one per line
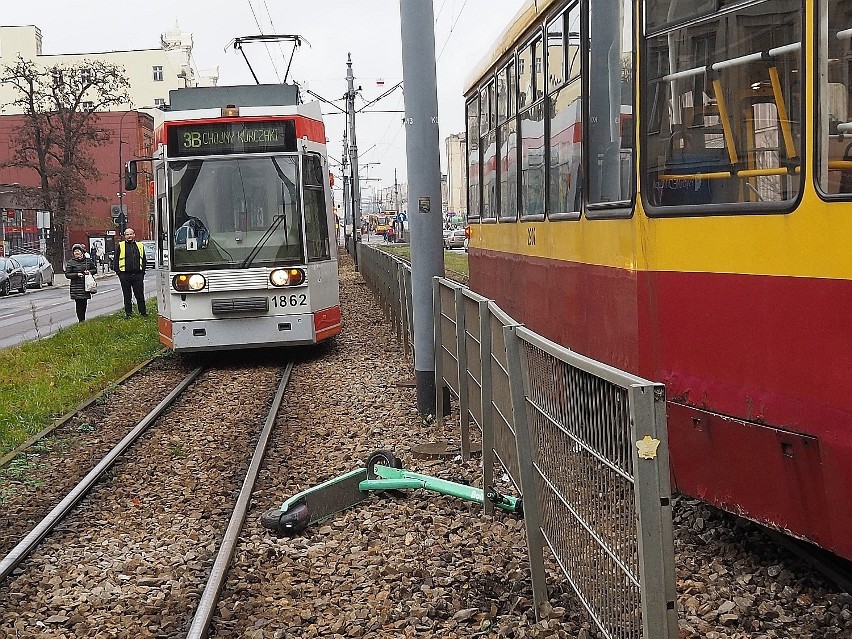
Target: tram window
532 162
502 95
731 137
565 174
160 214
512 84
556 52
492 111
659 13
473 200
538 56
834 124
316 213
486 105
235 212
572 39
610 66
488 143
525 77
508 137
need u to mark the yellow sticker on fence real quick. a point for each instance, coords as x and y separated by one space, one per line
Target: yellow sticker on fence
647 447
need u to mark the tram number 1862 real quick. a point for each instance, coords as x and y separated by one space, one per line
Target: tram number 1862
289 301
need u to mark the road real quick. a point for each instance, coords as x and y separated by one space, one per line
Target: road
39 313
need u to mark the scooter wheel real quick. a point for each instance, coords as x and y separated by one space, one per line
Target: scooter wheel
381 458
290 522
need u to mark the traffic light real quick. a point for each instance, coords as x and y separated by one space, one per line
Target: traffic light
119 216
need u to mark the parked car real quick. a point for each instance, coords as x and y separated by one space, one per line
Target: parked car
12 276
150 253
454 239
38 268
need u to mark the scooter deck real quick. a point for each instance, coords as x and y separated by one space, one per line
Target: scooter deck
317 503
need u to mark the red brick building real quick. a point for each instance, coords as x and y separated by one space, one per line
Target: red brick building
131 136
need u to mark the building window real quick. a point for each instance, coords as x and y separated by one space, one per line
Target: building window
57 77
86 76
158 74
87 106
159 102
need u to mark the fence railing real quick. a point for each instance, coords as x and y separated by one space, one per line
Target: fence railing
584 443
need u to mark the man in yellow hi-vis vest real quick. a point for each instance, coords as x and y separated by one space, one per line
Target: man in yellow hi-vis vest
129 264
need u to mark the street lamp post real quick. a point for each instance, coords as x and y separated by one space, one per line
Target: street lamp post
122 216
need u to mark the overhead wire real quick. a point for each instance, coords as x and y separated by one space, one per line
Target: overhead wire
266 46
452 28
274 30
440 10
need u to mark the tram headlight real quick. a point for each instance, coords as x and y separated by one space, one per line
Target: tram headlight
286 277
188 282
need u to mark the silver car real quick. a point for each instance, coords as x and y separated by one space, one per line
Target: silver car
454 239
150 253
38 268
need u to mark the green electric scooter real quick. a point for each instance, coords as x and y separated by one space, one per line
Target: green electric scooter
383 472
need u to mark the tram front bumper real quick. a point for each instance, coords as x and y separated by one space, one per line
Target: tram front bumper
245 332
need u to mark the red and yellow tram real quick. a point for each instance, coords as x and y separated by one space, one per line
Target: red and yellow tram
673 196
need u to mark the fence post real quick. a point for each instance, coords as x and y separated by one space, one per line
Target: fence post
654 527
461 352
485 401
409 311
437 313
518 376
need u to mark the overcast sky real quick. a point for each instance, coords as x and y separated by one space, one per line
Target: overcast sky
368 29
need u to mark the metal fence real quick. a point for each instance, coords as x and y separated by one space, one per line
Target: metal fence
583 442
390 280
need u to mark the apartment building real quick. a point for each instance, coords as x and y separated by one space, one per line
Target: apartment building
152 72
456 147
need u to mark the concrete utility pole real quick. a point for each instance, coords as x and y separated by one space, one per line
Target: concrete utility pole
348 218
424 185
353 157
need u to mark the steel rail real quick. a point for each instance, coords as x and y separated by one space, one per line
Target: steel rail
26 545
209 598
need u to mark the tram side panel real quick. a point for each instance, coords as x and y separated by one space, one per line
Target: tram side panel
756 371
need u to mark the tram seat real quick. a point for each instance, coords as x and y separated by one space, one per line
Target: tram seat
692 189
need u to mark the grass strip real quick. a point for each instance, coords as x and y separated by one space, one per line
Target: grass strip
45 379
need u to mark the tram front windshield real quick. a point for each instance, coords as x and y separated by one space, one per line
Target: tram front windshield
235 212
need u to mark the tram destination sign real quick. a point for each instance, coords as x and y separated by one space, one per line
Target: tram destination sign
226 138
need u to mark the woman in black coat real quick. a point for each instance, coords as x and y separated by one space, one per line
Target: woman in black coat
76 270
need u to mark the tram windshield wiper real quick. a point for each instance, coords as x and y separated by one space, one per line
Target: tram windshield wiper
259 245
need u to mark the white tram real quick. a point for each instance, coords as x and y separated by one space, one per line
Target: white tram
244 227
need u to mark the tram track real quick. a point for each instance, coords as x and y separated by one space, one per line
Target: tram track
147 545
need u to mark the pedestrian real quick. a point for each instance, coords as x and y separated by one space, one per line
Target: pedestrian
129 265
76 270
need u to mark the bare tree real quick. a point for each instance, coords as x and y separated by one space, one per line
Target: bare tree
60 104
